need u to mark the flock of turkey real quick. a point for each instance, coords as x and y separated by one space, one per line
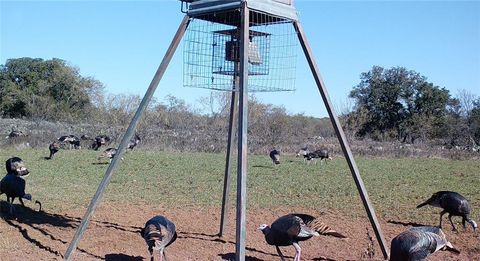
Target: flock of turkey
308 156
73 141
416 243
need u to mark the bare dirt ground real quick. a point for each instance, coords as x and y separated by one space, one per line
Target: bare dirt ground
113 235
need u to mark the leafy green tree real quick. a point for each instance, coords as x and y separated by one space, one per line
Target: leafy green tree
474 122
45 89
398 103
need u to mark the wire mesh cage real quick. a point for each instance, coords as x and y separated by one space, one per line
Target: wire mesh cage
211 52
226 52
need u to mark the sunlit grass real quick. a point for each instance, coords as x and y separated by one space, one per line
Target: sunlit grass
395 186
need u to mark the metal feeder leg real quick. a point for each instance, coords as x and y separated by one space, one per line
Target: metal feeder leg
342 139
126 138
242 137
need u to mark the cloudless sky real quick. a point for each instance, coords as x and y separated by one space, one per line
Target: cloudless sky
121 44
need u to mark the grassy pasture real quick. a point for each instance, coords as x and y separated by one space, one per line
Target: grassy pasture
395 186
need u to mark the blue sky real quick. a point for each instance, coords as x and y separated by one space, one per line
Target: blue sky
121 44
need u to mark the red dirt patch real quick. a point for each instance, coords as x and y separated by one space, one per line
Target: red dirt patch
113 235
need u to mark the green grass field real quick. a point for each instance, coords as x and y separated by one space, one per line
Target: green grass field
395 186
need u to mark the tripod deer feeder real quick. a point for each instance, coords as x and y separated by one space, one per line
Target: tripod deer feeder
238 46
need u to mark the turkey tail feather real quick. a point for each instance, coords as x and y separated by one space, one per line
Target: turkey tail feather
323 229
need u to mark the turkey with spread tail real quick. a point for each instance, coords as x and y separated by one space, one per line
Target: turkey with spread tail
293 228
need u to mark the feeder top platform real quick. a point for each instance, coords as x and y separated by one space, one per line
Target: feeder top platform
211 9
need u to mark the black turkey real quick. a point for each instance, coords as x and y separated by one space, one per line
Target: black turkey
292 228
15 134
452 203
159 232
100 140
134 142
275 156
309 156
13 184
54 147
321 154
418 243
71 140
302 153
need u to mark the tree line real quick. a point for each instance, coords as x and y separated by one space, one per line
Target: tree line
400 104
390 105
46 89
52 90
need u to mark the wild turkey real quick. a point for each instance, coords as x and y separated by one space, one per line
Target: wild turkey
159 232
72 140
292 228
309 156
275 156
13 184
134 142
452 203
302 153
418 243
108 153
100 140
54 147
14 134
321 154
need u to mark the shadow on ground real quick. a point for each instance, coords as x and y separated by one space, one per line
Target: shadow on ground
122 257
406 224
263 166
216 238
26 220
322 258
231 257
